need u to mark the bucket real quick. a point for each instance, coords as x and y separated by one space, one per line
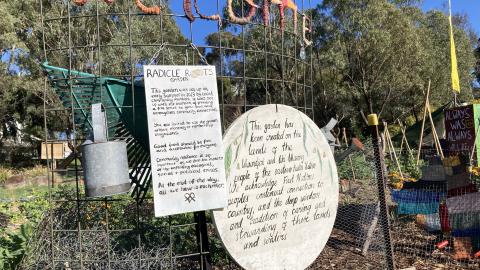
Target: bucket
105 163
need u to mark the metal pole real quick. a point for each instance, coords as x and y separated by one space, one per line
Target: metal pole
202 240
380 174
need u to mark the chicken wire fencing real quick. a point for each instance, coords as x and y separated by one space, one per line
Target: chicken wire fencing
434 210
100 58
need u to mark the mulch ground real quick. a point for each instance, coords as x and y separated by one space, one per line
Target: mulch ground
413 248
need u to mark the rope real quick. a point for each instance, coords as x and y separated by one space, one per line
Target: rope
243 20
187 8
287 4
79 2
214 17
306 28
266 12
155 10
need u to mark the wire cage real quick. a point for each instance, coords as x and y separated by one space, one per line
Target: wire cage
262 56
434 221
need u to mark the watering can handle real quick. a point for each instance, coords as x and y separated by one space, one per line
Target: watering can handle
99 123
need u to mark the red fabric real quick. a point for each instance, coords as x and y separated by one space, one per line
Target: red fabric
444 218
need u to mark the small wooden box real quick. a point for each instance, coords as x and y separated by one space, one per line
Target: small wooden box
53 150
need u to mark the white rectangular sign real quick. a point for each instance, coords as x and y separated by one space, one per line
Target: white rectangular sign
185 139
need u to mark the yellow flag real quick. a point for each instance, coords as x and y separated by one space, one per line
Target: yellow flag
453 58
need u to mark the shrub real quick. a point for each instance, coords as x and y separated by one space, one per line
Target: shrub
13 246
362 167
5 173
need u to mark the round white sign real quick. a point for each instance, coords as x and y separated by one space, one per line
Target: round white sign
283 190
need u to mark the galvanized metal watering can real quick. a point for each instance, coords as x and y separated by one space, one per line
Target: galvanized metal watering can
105 163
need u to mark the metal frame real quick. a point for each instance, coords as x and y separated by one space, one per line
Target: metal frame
302 87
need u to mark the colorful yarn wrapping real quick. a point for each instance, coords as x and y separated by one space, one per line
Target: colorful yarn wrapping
464 221
214 17
243 20
466 233
417 208
155 10
462 191
416 196
427 185
458 181
464 204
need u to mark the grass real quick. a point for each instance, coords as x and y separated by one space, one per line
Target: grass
22 192
19 193
5 173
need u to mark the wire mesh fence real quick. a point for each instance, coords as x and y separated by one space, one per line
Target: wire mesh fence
100 59
434 214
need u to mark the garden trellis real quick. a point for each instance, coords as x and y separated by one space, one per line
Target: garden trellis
263 55
100 60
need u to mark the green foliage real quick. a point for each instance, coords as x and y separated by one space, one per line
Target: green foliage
363 169
22 217
13 246
5 173
369 66
21 77
408 165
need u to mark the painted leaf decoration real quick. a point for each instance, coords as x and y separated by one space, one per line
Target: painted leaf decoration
331 171
237 153
228 159
305 137
246 132
320 161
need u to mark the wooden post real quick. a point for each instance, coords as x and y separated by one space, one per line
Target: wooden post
420 142
404 138
390 145
371 230
381 186
434 133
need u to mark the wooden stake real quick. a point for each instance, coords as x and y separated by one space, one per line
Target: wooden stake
423 121
404 138
371 230
390 144
434 133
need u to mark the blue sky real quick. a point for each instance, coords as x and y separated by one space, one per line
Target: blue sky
469 7
201 28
